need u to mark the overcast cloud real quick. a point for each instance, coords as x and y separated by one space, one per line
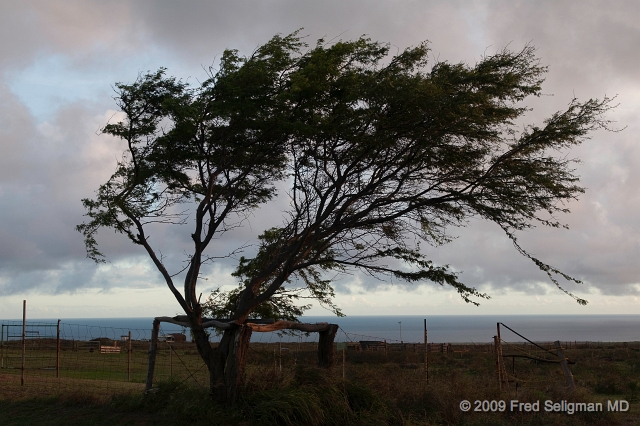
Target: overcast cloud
59 60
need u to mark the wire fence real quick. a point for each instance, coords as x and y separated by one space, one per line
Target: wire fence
62 357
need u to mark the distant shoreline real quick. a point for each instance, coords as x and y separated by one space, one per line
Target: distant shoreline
407 328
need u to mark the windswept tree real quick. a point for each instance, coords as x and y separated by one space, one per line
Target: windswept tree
380 153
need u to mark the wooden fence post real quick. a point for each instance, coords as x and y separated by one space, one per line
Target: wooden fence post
171 360
58 351
426 356
495 343
503 370
152 354
326 352
2 345
24 339
565 366
129 359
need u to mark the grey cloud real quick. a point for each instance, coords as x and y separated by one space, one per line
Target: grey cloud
16 129
32 28
587 39
244 25
47 167
46 173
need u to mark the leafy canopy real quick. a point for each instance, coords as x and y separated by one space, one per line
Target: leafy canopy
380 153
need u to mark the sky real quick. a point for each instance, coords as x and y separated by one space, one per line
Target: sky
59 61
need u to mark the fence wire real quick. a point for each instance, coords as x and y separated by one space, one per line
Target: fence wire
109 359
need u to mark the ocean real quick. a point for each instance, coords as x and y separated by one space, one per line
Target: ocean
407 328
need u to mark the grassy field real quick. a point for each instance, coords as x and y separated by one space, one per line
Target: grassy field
379 387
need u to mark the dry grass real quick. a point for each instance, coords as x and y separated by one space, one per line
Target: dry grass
378 388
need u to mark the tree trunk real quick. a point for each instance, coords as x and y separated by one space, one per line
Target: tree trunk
226 363
236 359
207 353
326 353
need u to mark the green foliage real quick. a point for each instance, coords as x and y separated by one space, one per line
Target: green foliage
218 149
385 152
382 152
281 306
